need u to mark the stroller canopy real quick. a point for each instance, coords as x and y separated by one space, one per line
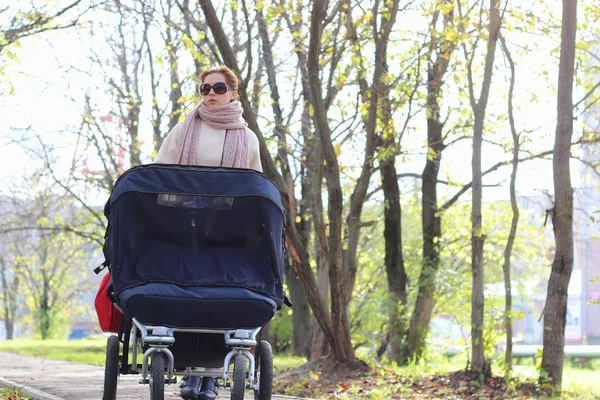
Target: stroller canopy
196 226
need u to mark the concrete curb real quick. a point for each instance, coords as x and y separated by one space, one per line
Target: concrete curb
35 394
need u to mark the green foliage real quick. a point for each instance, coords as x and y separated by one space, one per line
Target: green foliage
369 305
454 279
48 260
281 331
47 324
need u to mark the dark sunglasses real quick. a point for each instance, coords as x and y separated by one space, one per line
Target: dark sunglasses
219 88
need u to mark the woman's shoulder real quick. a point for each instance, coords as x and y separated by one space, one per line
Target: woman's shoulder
177 127
175 131
252 138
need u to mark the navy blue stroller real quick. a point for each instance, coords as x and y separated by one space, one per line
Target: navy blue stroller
196 260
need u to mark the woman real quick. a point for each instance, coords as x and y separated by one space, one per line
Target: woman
214 133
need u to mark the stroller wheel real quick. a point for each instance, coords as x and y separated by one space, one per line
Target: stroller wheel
157 377
238 385
264 371
111 368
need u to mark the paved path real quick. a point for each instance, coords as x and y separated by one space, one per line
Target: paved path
63 380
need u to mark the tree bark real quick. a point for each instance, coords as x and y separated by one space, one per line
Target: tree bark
341 345
394 261
508 353
397 279
562 214
301 318
430 215
312 185
128 90
301 312
175 93
157 113
10 290
479 362
319 346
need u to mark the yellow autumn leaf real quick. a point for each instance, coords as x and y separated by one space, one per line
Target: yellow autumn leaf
338 149
447 9
451 35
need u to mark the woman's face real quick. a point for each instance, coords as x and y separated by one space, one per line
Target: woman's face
211 98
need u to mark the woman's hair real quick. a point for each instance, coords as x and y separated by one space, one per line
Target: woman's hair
230 77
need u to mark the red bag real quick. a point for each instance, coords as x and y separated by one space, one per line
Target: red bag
109 316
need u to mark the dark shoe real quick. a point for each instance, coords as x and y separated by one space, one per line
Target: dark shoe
189 389
208 391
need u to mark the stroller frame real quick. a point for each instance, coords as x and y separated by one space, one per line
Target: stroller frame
159 338
242 261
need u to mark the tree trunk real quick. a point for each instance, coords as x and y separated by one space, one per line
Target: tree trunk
301 314
301 319
341 344
431 218
157 113
312 185
175 92
319 347
477 236
515 215
44 312
10 330
432 232
9 298
129 91
562 214
394 262
294 242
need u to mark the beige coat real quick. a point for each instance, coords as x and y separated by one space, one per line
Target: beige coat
210 147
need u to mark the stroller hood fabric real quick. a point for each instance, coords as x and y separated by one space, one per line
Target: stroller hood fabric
196 227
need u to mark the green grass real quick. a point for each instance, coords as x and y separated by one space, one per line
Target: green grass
285 362
578 382
92 351
87 351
